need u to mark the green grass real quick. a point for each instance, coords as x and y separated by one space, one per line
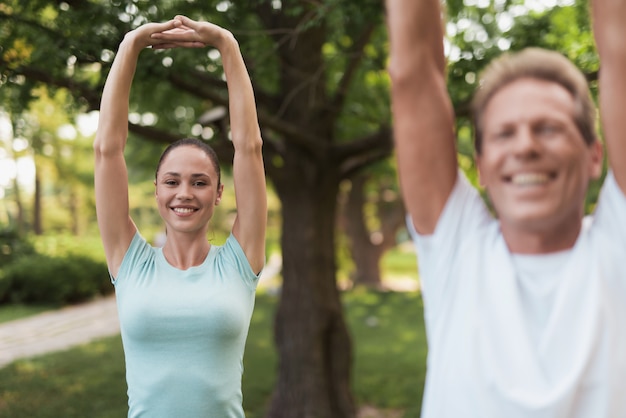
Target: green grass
13 312
400 261
88 381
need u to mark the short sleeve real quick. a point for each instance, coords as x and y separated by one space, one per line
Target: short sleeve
610 215
234 255
463 218
139 251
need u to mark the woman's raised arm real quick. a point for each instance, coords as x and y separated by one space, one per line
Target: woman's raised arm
111 177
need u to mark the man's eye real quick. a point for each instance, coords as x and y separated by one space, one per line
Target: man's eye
504 134
547 129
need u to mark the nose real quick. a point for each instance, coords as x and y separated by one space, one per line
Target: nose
184 192
526 143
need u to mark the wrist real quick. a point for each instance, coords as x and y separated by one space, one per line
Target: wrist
226 41
131 44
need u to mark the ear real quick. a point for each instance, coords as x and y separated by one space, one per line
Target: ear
218 198
596 158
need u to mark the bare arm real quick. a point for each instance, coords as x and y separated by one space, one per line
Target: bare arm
610 34
248 170
423 115
111 177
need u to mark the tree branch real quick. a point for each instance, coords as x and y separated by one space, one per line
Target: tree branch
351 166
356 55
378 140
358 154
286 130
79 89
16 18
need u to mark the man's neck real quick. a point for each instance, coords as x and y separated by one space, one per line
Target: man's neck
540 240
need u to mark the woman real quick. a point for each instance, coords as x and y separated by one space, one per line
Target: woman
184 308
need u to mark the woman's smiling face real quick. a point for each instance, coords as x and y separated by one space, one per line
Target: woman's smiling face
187 189
534 162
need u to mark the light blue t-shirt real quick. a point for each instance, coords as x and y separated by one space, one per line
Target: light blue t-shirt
184 331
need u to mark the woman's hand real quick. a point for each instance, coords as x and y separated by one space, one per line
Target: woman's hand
189 33
142 37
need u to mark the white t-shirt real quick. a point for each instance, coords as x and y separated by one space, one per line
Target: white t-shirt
513 336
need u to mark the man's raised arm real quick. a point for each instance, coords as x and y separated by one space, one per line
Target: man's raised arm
610 34
422 112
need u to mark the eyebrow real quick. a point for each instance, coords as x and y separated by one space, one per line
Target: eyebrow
194 175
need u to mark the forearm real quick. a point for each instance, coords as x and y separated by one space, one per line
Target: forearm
610 33
113 120
416 37
242 108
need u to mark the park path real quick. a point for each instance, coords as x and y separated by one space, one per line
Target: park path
58 330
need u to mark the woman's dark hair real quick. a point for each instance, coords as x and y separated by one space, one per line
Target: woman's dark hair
194 143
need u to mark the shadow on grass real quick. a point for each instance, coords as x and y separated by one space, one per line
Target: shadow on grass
88 381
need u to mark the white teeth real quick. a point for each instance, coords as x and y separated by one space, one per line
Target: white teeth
183 210
526 179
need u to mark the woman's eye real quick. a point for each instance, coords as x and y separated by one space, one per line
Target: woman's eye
199 183
170 182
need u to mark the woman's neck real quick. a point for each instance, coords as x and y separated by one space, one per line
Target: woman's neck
184 250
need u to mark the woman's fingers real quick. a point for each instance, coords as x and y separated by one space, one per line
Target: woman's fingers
185 32
185 21
178 44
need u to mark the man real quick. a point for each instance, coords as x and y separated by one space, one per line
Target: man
525 310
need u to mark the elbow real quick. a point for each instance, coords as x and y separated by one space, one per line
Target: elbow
409 77
104 147
251 143
98 148
255 146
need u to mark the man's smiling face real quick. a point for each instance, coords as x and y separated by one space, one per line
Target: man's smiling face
534 162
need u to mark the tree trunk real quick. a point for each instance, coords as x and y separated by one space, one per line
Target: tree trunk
19 221
37 224
313 343
366 255
75 213
366 249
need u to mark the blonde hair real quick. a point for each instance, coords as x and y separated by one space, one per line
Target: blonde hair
539 64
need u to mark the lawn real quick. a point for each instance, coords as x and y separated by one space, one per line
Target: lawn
88 381
13 312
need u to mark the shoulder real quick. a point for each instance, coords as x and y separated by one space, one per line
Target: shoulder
464 212
232 255
139 252
610 213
